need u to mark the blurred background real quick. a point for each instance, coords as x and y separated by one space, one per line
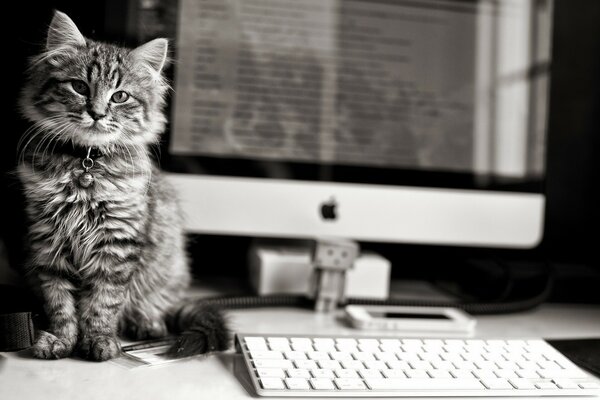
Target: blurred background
572 164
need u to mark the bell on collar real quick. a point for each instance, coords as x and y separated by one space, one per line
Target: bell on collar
86 179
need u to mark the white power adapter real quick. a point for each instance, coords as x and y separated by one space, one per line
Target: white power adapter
283 269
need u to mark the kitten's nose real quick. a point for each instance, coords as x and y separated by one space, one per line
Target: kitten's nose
96 115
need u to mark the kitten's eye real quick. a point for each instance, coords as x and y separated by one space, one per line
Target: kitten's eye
80 87
119 97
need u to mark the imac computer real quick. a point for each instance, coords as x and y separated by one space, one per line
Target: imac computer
398 121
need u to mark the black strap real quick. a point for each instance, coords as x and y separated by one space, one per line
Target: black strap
18 310
16 331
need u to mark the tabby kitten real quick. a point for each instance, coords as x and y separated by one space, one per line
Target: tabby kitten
105 232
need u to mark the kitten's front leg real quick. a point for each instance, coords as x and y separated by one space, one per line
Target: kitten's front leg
59 305
100 306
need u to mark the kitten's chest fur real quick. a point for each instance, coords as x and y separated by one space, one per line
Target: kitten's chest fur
66 218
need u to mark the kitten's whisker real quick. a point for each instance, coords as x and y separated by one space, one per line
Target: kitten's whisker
46 138
33 131
60 134
40 131
45 142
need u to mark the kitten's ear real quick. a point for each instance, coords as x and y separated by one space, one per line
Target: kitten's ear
153 54
63 32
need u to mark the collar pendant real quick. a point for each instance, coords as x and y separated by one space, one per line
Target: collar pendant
86 178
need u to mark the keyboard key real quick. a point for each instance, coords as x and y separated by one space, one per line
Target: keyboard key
420 365
345 341
439 373
318 355
350 384
433 343
363 356
527 373
279 344
267 354
280 347
256 343
301 344
535 357
506 373
352 364
549 365
297 384
497 383
464 365
325 342
416 373
443 365
341 356
452 357
545 385
398 365
295 355
254 340
329 364
484 374
485 365
375 364
367 348
404 356
524 384
455 342
322 373
390 345
461 373
510 365
529 365
327 346
369 343
369 373
272 383
270 372
346 373
430 356
322 384
298 373
281 341
268 363
395 373
475 358
383 356
494 357
412 342
305 364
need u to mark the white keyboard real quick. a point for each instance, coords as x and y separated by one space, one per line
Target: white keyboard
394 367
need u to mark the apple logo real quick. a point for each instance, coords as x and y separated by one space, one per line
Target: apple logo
328 210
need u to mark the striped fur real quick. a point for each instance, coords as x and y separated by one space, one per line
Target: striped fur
110 257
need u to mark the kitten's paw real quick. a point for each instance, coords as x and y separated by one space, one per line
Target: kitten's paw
141 330
99 348
48 346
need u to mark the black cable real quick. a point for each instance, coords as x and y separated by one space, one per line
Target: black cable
475 308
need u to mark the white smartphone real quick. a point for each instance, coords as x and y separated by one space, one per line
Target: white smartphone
411 319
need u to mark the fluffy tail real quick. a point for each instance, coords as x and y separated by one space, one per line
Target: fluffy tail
202 328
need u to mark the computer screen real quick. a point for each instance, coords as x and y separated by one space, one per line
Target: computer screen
377 120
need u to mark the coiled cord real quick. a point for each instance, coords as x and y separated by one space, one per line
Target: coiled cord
474 308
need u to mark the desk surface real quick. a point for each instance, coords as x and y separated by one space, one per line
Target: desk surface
212 377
